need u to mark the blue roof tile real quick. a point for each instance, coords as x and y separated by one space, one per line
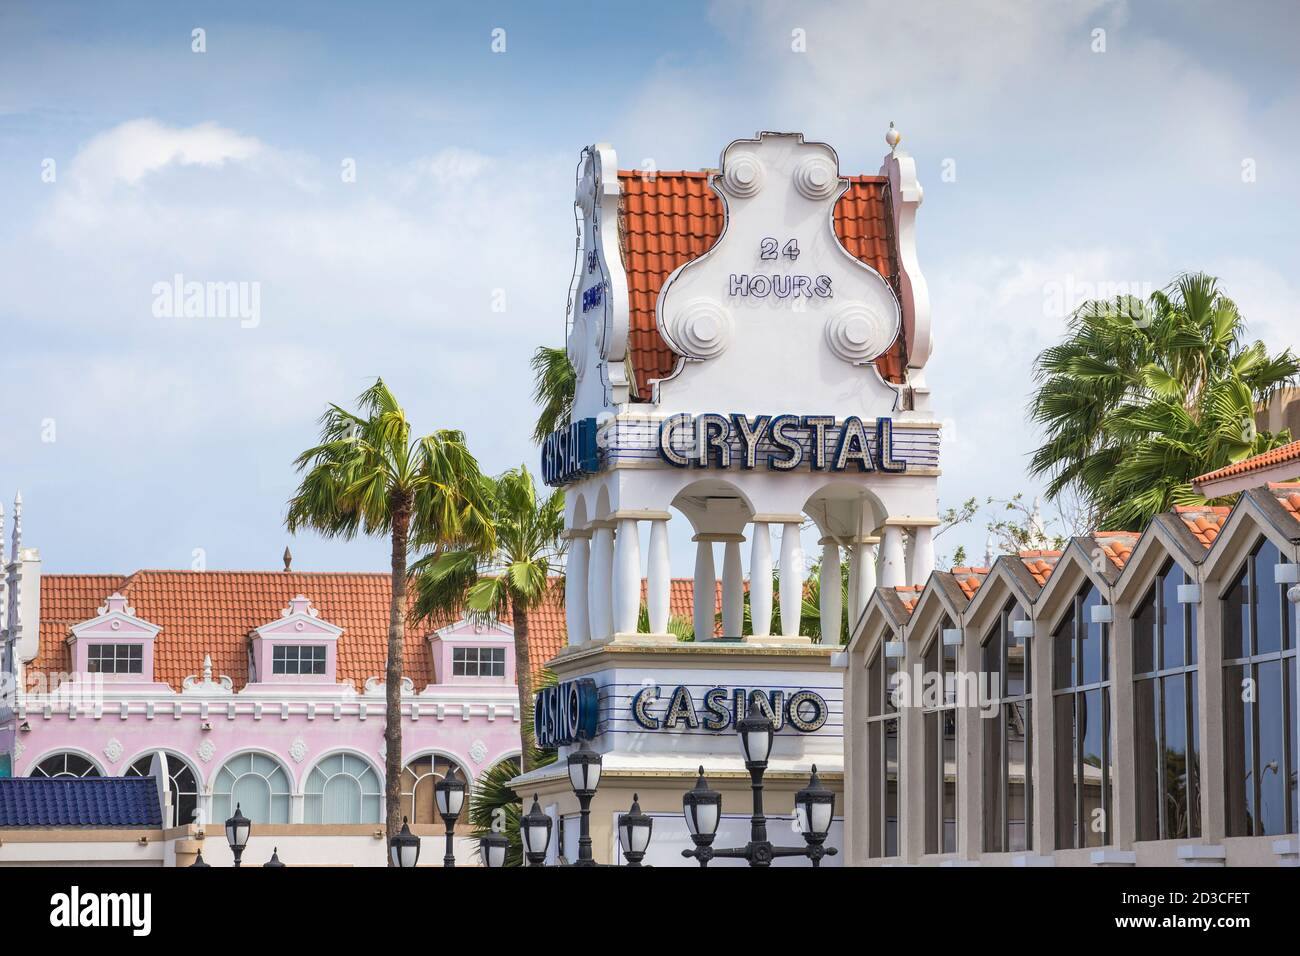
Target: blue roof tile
79 802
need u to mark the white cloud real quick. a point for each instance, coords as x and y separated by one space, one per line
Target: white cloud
129 152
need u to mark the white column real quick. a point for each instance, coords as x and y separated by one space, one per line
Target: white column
706 588
791 579
627 577
867 577
760 580
733 589
599 582
922 557
658 578
832 601
857 558
893 573
575 588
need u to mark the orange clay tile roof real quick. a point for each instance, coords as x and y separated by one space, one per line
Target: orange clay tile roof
1267 459
1288 494
909 594
212 612
969 579
1203 521
676 217
1117 545
1040 564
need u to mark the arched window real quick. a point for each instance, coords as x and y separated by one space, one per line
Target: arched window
1084 737
1165 712
940 716
1008 738
1259 695
343 788
180 780
419 777
882 756
65 765
256 784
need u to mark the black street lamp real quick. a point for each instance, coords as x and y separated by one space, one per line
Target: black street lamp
404 848
275 859
535 828
199 861
238 828
814 806
492 848
584 777
702 808
449 792
634 829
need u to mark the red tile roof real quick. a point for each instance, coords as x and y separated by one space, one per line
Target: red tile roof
909 594
1268 459
212 612
675 217
1204 521
970 580
1040 564
1288 493
1117 545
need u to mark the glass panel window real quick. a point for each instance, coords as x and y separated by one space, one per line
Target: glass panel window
255 783
298 659
1084 744
180 781
65 765
1259 724
1007 736
478 661
419 777
343 788
115 658
882 756
940 722
1165 716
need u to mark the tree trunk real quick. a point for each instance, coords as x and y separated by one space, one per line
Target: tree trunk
524 681
401 512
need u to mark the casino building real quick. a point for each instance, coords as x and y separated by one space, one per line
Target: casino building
750 347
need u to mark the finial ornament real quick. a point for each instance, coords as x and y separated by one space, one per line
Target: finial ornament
893 137
18 524
288 559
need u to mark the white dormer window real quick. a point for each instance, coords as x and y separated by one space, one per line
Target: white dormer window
478 662
115 659
297 648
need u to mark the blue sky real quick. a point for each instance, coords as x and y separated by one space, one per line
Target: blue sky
1074 167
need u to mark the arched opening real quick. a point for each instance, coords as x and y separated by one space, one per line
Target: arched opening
66 764
181 781
419 777
343 788
256 784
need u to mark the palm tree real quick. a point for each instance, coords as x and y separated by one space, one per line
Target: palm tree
554 384
1141 397
367 475
512 575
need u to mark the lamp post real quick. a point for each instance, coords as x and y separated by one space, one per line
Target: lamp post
584 777
634 829
814 807
449 792
404 848
238 828
492 848
274 862
535 828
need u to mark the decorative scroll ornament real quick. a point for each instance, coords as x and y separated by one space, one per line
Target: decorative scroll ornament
701 329
744 175
578 347
206 685
816 178
206 750
113 750
18 750
478 751
857 333
298 750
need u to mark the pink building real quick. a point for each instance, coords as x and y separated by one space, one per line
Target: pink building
257 688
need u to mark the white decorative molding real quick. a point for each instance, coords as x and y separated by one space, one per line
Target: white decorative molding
858 333
744 175
375 687
702 329
298 749
206 750
816 178
113 750
221 687
906 194
478 751
19 750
